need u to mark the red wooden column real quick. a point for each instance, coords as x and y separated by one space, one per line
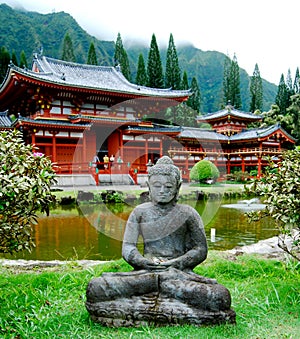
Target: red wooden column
243 164
259 166
54 150
228 164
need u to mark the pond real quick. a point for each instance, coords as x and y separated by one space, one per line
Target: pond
95 231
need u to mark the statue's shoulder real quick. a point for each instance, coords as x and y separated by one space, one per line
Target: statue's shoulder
187 210
142 207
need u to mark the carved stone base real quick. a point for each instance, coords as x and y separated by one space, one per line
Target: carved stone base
152 310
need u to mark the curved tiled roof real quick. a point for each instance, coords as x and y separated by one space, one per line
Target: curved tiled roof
259 133
199 133
91 77
5 121
229 110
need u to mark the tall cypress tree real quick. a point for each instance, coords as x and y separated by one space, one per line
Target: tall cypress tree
256 90
154 66
121 58
172 75
282 98
141 75
68 51
296 85
92 57
184 81
4 62
226 80
14 58
194 101
235 92
23 61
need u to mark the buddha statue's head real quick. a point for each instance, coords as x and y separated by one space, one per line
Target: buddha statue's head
164 181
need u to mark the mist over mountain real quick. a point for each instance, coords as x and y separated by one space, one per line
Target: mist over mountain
32 31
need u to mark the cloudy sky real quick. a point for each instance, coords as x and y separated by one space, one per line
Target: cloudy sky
257 31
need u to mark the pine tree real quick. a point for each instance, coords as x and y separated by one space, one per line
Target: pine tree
184 81
256 91
4 62
235 94
14 59
121 58
282 98
154 66
23 61
231 82
172 75
226 80
92 57
68 51
141 75
194 101
296 86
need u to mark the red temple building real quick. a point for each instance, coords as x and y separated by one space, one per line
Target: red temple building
72 112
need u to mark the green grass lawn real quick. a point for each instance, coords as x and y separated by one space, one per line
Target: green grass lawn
49 303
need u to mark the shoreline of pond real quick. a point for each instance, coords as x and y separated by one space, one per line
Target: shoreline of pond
267 249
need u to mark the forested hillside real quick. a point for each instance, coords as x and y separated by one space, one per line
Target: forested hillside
31 32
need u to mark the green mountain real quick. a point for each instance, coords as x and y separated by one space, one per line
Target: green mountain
31 32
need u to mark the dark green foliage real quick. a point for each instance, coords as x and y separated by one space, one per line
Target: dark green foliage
204 170
154 66
256 91
296 86
184 82
14 59
226 81
234 80
23 61
4 62
48 30
172 74
25 181
275 116
92 57
182 115
293 116
121 58
194 101
282 97
280 189
68 51
141 75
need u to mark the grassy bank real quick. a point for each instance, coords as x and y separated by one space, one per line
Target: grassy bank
50 303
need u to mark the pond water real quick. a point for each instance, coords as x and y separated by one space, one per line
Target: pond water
95 232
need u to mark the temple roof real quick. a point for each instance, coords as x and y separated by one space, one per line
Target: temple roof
103 78
257 133
201 134
5 121
228 110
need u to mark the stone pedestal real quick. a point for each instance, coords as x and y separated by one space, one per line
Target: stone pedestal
154 310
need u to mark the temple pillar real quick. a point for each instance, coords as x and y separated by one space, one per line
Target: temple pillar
54 149
243 164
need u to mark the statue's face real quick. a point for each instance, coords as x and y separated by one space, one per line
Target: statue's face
163 188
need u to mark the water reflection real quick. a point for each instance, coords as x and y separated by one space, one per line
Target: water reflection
96 231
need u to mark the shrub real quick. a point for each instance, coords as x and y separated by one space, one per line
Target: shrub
204 170
25 180
280 187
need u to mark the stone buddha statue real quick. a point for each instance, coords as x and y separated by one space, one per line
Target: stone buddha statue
162 289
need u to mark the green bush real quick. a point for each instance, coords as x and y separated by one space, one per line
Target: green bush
280 188
204 170
25 180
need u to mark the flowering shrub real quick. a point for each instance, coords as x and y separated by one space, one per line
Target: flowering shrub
25 180
280 189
